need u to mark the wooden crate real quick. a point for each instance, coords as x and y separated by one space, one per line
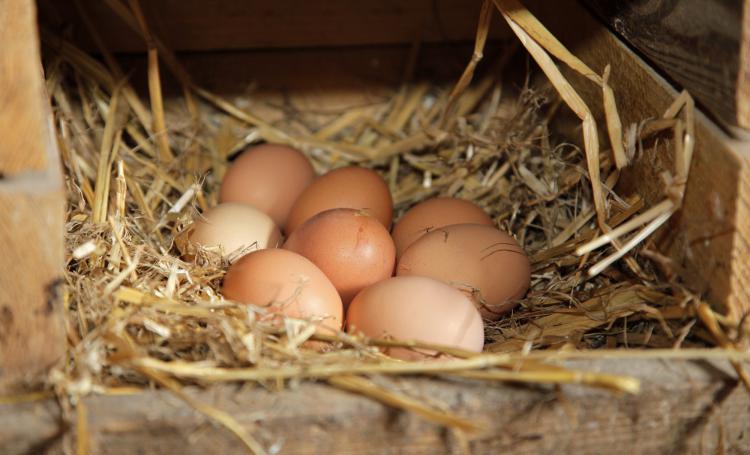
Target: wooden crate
685 407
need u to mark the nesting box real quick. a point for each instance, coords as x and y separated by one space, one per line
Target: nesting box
353 50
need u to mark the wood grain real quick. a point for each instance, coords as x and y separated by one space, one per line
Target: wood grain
31 283
742 96
327 81
200 25
695 45
685 407
32 206
21 90
709 240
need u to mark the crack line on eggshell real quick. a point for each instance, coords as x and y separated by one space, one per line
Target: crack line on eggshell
502 250
496 244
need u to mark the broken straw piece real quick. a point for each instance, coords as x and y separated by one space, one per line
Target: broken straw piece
632 243
650 214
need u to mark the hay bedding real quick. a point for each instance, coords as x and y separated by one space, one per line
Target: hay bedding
136 176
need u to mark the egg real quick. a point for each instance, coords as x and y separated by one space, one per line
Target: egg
352 248
285 283
435 213
417 308
484 262
348 187
232 230
269 177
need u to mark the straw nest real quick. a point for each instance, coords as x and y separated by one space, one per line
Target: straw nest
136 176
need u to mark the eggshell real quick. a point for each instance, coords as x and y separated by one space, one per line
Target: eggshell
435 213
234 230
484 262
417 308
270 177
352 248
348 187
285 283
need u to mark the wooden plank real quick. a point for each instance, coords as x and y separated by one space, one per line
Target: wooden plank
327 81
32 205
743 77
684 407
696 46
709 240
193 25
31 284
21 90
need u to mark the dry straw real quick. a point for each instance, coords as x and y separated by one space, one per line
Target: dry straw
138 314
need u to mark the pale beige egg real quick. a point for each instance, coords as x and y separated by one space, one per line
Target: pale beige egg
233 230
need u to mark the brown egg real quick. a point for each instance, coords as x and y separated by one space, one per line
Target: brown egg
417 308
233 230
482 261
435 213
352 248
348 187
286 283
270 177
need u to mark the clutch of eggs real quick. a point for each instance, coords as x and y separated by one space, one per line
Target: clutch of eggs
336 267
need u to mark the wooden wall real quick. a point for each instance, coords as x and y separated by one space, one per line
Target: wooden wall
202 25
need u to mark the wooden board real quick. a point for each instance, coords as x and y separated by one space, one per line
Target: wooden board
32 205
31 283
367 70
199 25
743 76
699 47
21 88
685 407
709 240
327 81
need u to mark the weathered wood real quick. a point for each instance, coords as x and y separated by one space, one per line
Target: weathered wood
695 44
32 205
21 88
685 407
31 283
709 240
327 81
743 76
200 25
